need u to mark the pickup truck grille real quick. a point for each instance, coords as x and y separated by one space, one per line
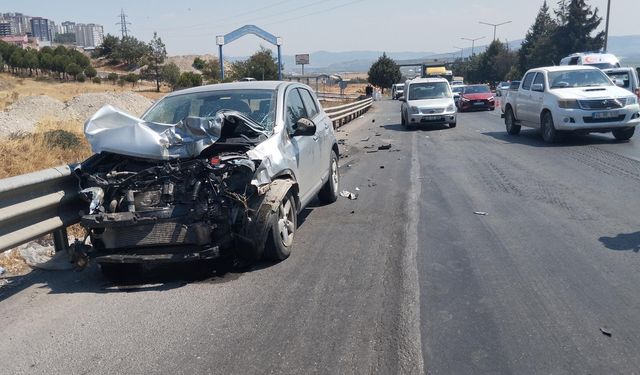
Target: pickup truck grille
603 103
591 120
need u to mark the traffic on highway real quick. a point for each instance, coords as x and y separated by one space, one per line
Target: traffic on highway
473 212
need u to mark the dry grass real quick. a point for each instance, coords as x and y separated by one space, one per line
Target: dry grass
53 143
11 88
13 262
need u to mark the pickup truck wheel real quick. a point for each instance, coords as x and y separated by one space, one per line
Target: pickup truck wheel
510 122
624 134
402 120
549 132
284 227
329 192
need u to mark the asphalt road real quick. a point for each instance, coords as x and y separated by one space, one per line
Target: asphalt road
405 279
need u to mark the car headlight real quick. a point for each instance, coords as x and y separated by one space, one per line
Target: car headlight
451 108
568 104
491 98
632 100
464 99
414 110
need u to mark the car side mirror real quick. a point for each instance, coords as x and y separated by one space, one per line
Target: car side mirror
304 126
537 87
619 82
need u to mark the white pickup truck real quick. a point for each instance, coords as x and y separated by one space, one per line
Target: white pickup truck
562 99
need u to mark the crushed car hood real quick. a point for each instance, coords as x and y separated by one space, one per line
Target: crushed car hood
115 131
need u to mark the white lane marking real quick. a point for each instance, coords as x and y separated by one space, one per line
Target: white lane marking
411 360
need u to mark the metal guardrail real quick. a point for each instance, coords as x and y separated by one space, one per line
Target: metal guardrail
35 204
342 114
335 96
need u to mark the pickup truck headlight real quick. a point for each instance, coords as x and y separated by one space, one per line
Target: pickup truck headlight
632 100
451 108
414 110
568 104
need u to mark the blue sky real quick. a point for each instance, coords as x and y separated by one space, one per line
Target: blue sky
190 26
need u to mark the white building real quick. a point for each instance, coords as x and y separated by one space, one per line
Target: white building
89 35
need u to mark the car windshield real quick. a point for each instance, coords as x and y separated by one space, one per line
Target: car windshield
429 90
258 105
504 85
457 89
604 65
476 89
623 76
578 78
400 87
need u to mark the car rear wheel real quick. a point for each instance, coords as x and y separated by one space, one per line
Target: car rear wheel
284 227
402 120
510 122
329 192
549 132
624 134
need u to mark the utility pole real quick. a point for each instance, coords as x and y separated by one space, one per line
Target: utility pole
606 28
495 26
123 24
473 43
461 51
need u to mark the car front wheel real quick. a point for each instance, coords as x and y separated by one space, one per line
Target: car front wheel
282 231
624 134
549 132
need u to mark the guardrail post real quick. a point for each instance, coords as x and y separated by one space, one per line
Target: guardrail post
61 240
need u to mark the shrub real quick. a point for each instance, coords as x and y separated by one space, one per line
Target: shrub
80 77
97 80
113 77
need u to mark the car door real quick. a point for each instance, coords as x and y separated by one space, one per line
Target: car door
305 149
523 102
324 126
536 98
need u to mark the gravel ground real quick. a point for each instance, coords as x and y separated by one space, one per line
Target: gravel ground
23 115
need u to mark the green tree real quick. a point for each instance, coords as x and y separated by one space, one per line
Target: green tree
157 56
262 65
538 43
72 69
578 23
113 77
97 80
90 72
198 63
170 74
80 77
131 51
384 73
189 79
31 61
108 47
132 78
65 38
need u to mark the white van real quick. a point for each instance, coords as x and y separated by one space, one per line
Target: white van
598 60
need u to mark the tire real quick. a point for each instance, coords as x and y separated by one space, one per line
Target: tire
549 132
453 125
281 234
624 134
329 192
402 120
510 122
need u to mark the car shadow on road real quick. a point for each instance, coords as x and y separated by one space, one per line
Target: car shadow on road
412 128
532 137
622 242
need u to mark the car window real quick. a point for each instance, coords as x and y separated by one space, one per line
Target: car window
294 108
309 103
539 79
526 83
624 76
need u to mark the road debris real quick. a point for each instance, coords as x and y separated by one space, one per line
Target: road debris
371 151
373 120
481 213
386 146
382 167
2 270
357 189
365 139
378 134
348 195
606 331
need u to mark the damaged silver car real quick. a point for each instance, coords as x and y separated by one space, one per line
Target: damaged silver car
206 171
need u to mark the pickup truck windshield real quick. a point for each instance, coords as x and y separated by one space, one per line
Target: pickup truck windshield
258 105
624 76
429 90
578 78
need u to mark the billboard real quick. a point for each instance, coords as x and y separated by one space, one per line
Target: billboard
302 59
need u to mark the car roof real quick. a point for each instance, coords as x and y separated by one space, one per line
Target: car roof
618 70
421 80
563 68
245 85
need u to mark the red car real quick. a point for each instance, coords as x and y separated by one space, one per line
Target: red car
476 97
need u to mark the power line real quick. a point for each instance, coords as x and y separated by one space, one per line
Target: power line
314 13
123 24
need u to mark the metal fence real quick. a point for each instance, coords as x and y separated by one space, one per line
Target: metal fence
47 202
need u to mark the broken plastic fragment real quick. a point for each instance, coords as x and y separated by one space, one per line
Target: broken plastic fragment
385 146
348 195
605 331
481 213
